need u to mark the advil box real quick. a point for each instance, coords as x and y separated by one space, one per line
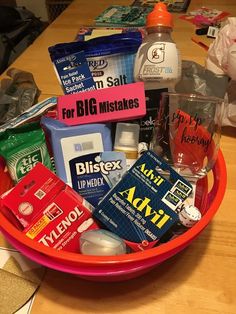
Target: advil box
143 205
50 211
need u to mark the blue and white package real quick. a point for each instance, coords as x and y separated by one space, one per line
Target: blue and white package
70 142
93 175
142 206
74 73
110 58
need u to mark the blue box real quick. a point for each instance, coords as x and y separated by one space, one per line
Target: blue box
143 205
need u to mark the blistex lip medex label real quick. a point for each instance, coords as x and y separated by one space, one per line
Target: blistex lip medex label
71 142
74 73
93 175
142 206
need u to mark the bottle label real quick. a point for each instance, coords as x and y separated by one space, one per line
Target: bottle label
162 62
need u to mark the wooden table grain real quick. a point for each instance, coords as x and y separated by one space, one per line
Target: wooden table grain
199 280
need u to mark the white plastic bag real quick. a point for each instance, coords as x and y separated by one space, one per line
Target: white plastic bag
218 50
221 59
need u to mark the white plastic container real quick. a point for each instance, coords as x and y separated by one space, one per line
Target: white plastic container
126 140
101 243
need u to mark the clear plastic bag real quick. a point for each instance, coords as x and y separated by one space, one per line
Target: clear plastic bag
221 59
218 50
17 94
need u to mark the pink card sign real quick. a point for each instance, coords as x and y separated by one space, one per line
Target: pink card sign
124 102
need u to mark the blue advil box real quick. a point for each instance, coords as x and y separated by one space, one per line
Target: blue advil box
144 204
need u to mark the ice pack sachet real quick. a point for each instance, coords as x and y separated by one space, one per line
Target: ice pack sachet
110 58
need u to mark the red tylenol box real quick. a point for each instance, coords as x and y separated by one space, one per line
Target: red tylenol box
49 211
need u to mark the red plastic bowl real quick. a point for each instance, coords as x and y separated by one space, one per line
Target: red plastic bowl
121 267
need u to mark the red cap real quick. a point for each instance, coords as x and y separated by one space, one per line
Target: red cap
159 16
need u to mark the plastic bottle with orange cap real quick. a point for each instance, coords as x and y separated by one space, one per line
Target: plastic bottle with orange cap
157 64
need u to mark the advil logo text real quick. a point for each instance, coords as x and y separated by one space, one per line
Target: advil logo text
149 173
157 217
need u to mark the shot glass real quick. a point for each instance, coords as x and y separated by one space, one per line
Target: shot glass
187 132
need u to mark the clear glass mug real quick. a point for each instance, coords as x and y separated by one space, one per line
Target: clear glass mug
187 132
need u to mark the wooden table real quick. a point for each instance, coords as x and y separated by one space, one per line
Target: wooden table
200 280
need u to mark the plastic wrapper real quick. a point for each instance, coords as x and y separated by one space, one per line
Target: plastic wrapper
229 118
221 59
218 51
196 79
17 94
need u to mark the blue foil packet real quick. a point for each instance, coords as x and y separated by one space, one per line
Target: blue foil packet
74 73
110 58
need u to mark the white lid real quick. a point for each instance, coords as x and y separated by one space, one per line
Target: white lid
127 136
189 216
101 242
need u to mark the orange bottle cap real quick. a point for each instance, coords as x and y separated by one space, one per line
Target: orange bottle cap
159 16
